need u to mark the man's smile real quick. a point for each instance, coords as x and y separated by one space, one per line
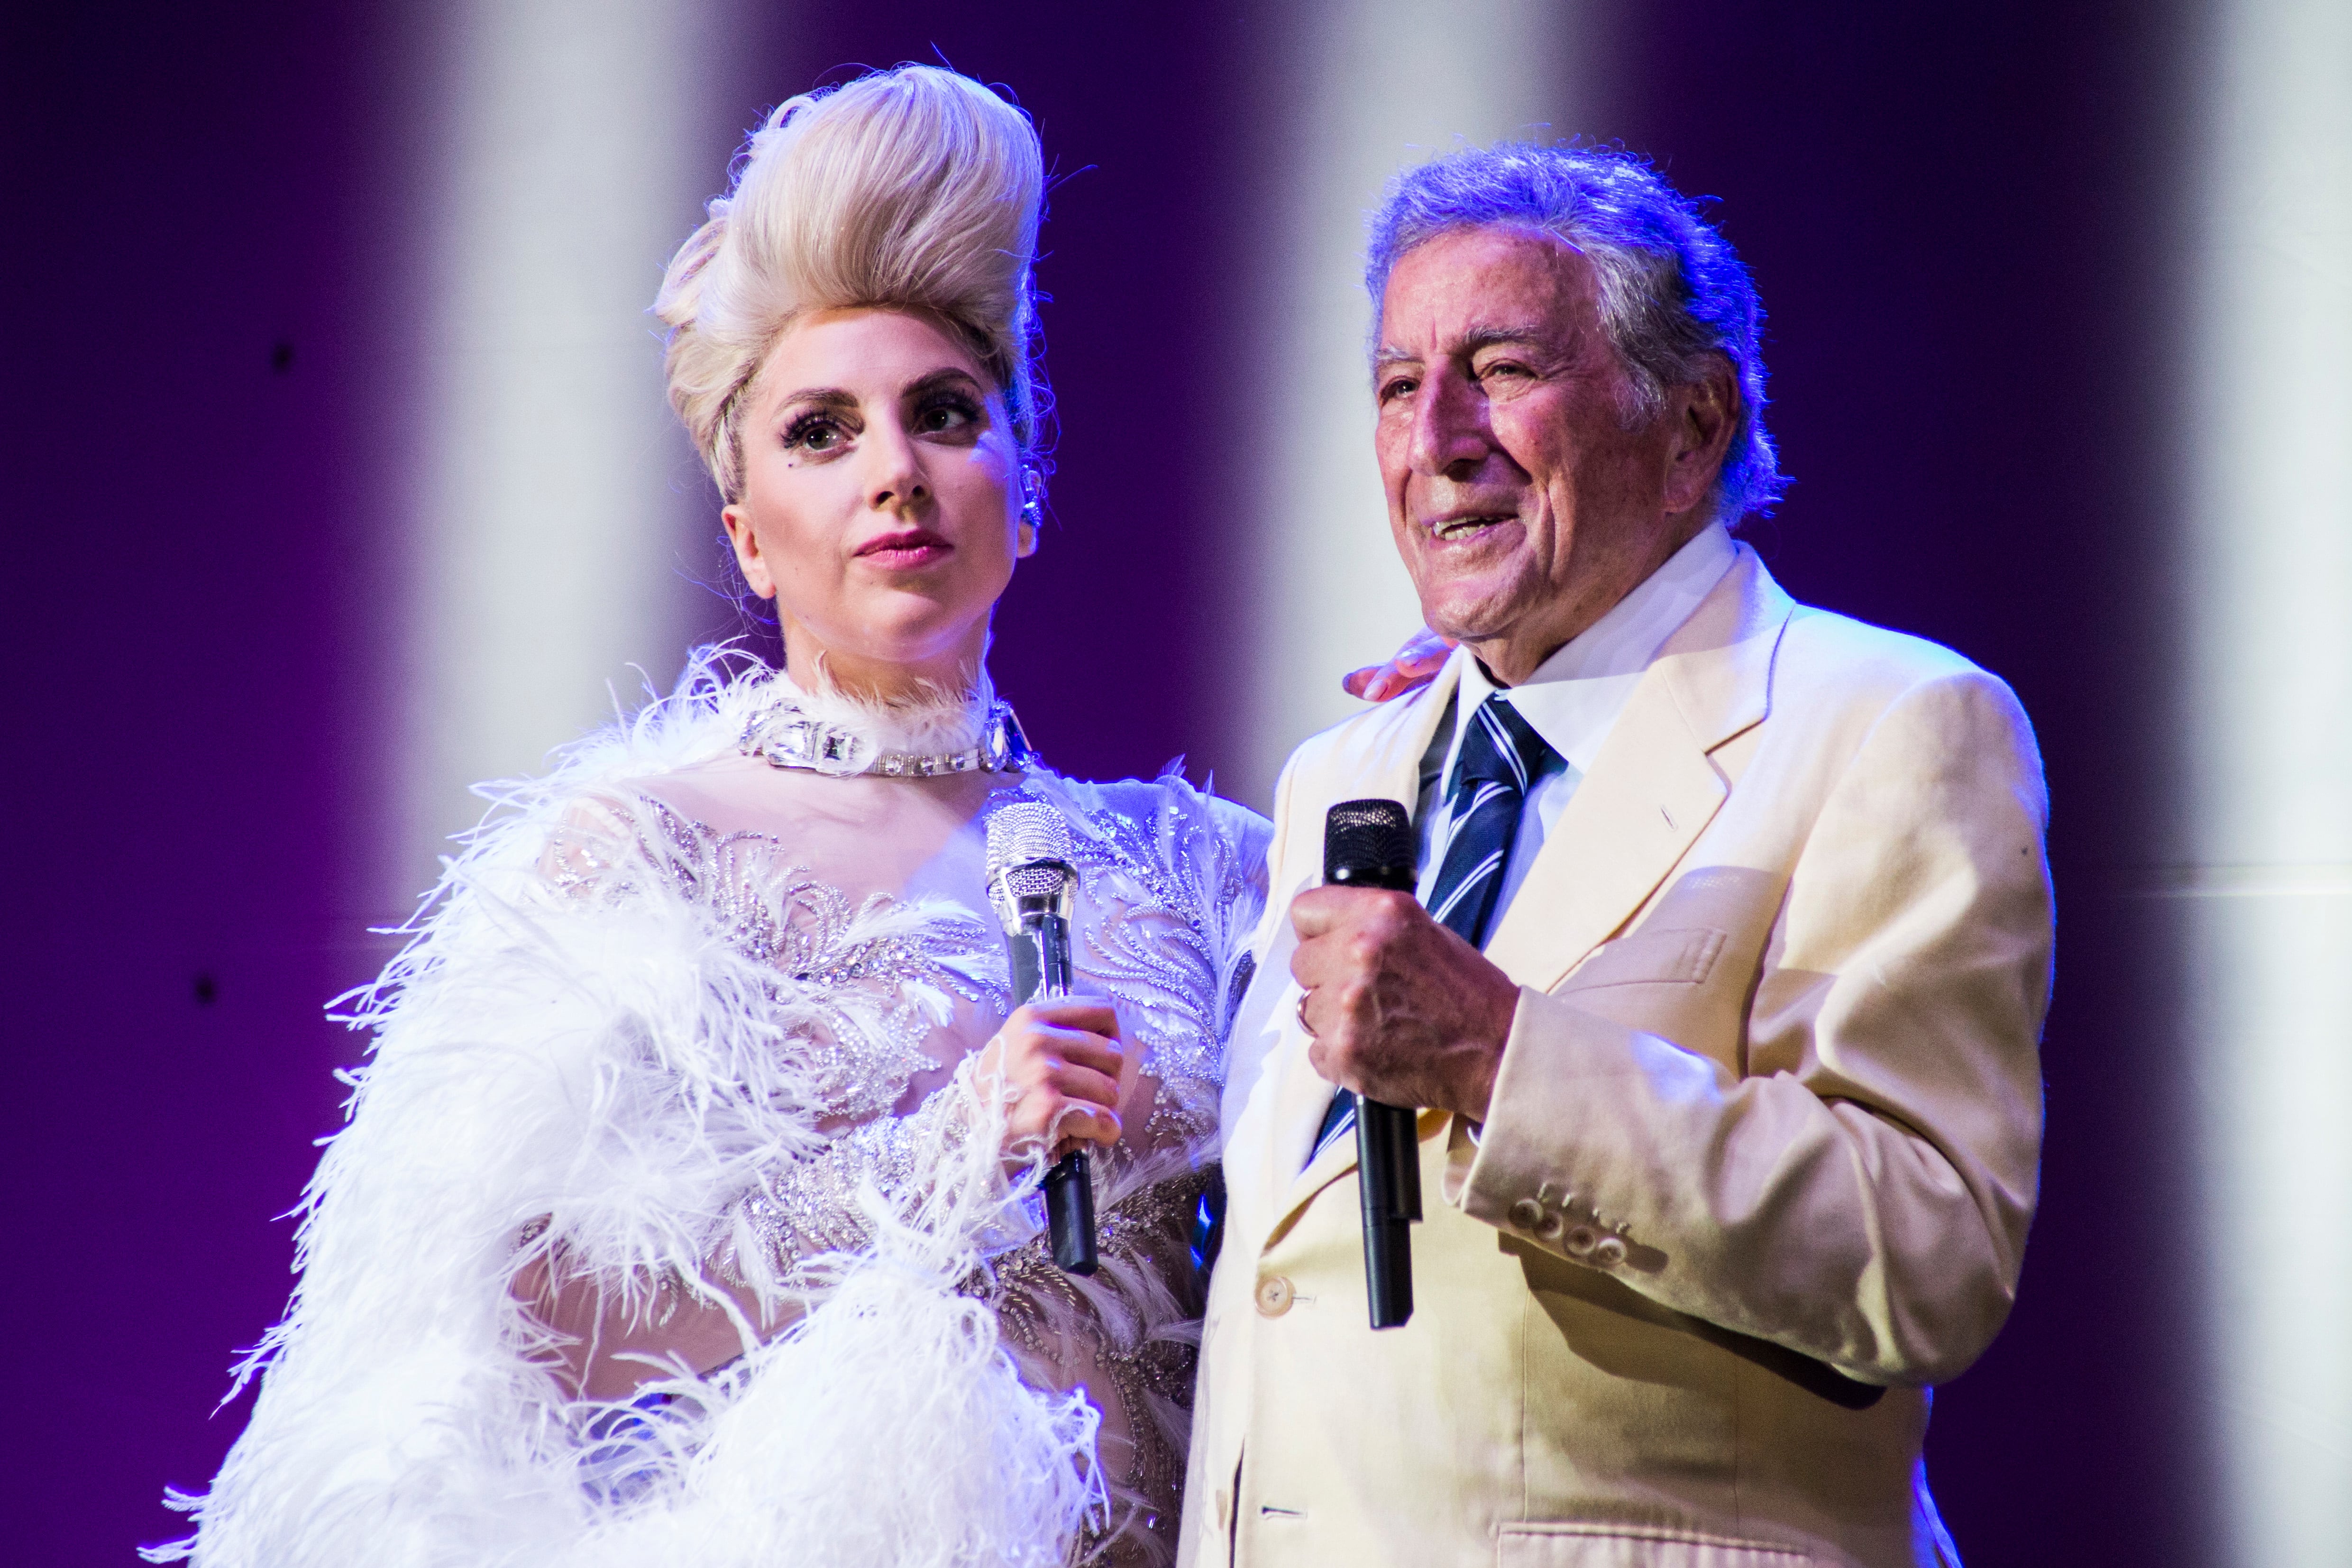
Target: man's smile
1455 527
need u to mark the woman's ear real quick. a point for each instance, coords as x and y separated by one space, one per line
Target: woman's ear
748 558
1033 511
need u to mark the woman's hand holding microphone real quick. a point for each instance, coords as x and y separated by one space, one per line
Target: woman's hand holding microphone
1064 1071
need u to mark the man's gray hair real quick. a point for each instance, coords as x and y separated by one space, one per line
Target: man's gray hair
1672 293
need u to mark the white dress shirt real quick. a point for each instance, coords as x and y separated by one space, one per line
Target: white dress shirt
1572 700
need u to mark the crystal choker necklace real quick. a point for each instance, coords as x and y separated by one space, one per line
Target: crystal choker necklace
790 737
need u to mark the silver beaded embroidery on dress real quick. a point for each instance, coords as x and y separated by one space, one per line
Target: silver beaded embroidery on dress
873 984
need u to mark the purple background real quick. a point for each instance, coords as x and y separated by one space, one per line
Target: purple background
1964 226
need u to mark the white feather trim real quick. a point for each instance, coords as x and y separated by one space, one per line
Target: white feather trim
620 1069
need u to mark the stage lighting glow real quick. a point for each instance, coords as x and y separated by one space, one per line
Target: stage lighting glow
551 500
2266 578
1367 90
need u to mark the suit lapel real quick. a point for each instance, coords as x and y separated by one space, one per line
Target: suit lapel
1300 1104
1653 789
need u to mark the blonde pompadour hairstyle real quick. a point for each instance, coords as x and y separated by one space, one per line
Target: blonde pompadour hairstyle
914 189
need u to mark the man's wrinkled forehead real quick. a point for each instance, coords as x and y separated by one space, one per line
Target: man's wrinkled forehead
1464 311
1467 290
1477 338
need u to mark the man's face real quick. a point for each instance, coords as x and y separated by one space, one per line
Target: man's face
1522 504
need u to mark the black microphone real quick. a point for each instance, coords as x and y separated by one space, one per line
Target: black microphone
1370 843
1032 882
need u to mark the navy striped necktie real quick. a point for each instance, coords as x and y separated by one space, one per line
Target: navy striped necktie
1500 759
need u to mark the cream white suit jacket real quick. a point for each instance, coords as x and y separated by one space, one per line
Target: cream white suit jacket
1760 1158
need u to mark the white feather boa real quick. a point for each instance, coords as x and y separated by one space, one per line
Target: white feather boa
619 1068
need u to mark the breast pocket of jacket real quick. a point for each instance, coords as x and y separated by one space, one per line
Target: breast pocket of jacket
1664 982
1683 956
1684 973
1602 1546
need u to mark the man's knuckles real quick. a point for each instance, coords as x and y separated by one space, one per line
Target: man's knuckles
1351 997
1388 916
1320 910
1366 950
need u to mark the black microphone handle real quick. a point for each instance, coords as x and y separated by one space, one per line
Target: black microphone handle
1070 1213
1388 1175
1069 1184
1370 843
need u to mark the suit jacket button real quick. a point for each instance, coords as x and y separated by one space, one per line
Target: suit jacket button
1527 1214
1609 1251
1273 1296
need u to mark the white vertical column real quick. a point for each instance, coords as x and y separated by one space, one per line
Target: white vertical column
1363 89
2266 578
555 513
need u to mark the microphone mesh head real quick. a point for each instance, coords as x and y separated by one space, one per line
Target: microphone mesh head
1369 841
1027 830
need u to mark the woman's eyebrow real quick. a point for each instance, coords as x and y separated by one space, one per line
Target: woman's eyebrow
945 375
823 396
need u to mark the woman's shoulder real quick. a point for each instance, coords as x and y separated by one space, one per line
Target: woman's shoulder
693 733
1193 839
1170 803
609 783
696 729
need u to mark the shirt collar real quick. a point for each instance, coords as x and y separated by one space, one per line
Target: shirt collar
1574 697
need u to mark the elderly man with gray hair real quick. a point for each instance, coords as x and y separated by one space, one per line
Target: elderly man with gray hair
1720 998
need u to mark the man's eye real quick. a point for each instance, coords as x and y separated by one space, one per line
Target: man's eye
1398 387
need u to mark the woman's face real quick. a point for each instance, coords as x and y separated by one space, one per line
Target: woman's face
881 502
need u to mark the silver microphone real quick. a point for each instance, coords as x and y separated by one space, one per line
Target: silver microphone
1032 883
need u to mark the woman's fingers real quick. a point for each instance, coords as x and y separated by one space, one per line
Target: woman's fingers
1090 1015
1094 1054
1046 1116
1411 667
1069 1071
1081 1031
1034 1054
1078 1123
1090 1085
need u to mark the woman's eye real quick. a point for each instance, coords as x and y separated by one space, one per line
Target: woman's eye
937 418
813 432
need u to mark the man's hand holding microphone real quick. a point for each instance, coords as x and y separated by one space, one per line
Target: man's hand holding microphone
1400 1009
1410 1015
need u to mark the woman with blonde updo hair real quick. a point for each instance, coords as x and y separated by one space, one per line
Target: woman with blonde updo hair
689 1207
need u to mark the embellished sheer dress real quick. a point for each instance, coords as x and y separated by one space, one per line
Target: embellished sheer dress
701 1030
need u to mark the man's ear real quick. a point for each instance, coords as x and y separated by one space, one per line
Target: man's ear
748 558
1706 411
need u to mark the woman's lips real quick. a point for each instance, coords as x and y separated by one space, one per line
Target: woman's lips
901 551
